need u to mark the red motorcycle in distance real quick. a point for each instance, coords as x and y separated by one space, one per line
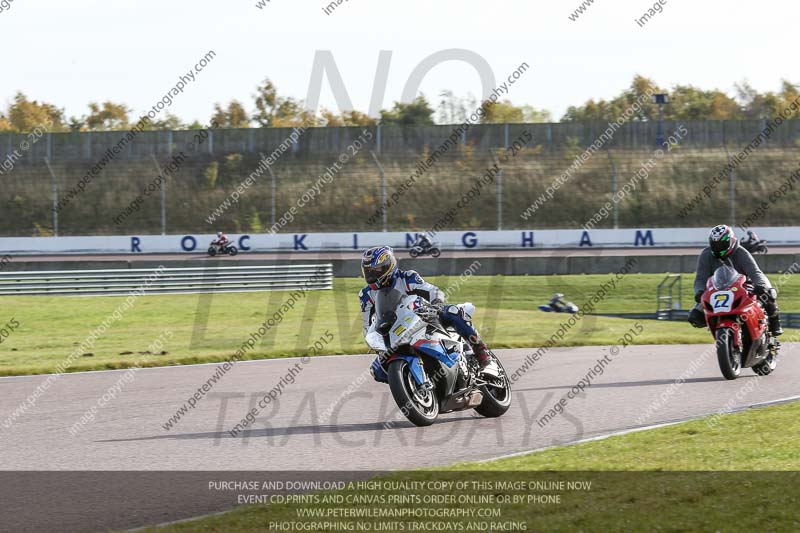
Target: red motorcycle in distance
215 249
739 325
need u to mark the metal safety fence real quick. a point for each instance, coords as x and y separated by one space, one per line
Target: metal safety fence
119 282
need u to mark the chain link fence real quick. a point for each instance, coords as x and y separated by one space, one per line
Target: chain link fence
192 199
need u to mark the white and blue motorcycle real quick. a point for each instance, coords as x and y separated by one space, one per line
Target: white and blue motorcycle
430 369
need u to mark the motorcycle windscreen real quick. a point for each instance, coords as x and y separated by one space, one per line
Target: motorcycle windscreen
387 300
724 278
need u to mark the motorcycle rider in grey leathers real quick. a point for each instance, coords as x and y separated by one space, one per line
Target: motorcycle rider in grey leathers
724 249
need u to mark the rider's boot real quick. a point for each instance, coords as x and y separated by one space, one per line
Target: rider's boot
775 325
482 353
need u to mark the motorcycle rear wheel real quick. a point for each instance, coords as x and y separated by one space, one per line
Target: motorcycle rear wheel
435 252
765 367
730 362
420 406
233 251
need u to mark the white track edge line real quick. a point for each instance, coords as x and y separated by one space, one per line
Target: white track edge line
641 428
518 454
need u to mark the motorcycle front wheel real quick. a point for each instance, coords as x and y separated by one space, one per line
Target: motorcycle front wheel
212 251
413 253
496 394
730 361
419 405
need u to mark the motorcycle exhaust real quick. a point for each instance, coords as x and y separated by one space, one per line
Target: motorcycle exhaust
475 399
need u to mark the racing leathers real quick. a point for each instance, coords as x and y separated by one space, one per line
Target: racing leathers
222 241
410 282
742 261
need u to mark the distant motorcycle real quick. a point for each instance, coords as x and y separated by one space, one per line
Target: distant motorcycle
419 250
569 308
557 305
738 323
227 249
754 245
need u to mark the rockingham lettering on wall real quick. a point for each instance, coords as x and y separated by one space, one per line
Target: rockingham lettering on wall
447 240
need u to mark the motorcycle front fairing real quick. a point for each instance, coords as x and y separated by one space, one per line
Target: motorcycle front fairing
728 304
407 338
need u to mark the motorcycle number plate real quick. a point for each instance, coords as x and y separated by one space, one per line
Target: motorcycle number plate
722 301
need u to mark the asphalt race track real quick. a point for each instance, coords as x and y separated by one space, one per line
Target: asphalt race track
291 434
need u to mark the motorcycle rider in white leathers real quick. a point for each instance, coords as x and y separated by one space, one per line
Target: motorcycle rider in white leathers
380 270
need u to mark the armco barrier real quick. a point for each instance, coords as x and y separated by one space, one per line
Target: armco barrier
118 282
445 266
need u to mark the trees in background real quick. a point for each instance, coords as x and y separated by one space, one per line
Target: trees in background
455 110
109 116
234 116
504 111
345 118
687 102
271 110
275 111
27 115
769 104
609 110
417 113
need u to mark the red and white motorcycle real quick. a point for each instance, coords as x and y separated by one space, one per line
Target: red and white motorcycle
225 249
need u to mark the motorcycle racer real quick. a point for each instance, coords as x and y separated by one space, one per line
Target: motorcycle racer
724 249
557 303
380 270
222 240
752 236
423 241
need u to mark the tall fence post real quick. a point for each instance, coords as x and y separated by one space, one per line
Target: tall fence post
733 192
499 185
274 189
383 190
163 195
732 188
55 196
614 198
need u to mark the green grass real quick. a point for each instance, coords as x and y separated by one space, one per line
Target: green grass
51 327
656 480
758 439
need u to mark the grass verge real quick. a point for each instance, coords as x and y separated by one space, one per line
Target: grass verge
208 328
687 477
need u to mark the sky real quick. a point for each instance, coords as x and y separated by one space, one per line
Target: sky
71 53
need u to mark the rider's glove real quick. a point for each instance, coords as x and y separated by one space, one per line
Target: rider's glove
698 296
438 304
766 295
428 313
